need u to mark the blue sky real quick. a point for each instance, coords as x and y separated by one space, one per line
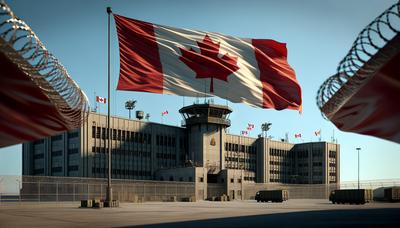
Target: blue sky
318 35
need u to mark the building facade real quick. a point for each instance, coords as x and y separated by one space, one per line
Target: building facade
200 151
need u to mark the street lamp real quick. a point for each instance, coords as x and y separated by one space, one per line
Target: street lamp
265 127
130 104
358 158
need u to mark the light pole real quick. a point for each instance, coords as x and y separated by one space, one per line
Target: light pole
130 104
358 158
264 128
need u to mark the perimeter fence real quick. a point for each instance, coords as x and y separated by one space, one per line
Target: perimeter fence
54 189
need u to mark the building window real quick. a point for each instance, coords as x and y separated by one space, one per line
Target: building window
201 179
38 171
73 168
190 179
93 131
55 138
56 169
73 134
73 151
171 178
38 156
56 153
239 180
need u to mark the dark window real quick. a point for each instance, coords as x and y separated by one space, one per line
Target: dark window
103 133
73 151
73 134
56 153
38 171
38 156
93 131
190 179
98 132
73 168
201 179
57 137
114 134
56 169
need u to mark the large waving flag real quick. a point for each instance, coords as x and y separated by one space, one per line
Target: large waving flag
161 59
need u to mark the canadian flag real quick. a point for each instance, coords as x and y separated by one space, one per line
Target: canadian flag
164 113
162 59
250 126
100 99
317 133
244 132
297 135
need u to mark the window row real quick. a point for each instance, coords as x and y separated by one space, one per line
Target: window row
240 148
280 153
166 156
103 150
122 171
121 135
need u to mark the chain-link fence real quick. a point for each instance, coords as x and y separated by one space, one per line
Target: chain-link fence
46 189
34 188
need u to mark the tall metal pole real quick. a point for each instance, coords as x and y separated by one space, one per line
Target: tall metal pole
358 158
109 189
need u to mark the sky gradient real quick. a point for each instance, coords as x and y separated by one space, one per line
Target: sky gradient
318 35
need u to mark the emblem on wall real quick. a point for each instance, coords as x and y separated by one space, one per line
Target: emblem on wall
212 142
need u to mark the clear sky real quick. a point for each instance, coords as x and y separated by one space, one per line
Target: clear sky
318 35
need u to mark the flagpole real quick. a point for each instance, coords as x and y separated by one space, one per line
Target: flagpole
109 189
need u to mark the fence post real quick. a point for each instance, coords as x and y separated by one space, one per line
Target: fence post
19 191
39 190
144 191
101 191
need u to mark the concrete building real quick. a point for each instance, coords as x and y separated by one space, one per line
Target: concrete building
200 151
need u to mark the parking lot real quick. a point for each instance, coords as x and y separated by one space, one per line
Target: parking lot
302 212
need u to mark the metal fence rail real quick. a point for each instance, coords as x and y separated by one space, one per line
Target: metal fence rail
55 189
45 189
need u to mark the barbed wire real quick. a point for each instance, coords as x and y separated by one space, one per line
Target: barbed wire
22 46
369 41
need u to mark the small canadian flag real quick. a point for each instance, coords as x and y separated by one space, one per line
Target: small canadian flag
100 99
164 113
297 135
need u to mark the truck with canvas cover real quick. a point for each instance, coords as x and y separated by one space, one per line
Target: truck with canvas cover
272 195
351 196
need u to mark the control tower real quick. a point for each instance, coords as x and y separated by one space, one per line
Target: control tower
206 124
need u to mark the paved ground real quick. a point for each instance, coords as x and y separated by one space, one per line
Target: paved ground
304 213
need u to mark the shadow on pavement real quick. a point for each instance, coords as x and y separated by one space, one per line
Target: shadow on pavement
389 217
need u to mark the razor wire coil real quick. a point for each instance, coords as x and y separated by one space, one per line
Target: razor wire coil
42 67
368 42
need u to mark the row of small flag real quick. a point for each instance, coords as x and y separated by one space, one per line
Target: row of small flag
249 127
316 133
103 100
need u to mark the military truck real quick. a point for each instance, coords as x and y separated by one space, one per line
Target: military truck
272 195
351 196
392 194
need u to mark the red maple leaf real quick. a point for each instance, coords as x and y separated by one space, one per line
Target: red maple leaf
207 64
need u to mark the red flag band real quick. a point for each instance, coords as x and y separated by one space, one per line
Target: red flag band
161 59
